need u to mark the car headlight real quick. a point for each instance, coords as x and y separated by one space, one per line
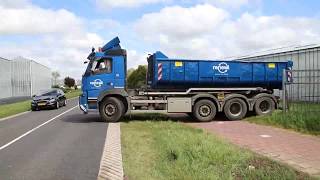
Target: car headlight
52 100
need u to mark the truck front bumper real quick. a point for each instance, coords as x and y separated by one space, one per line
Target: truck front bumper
83 107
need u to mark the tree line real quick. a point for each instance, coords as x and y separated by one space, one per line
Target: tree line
136 78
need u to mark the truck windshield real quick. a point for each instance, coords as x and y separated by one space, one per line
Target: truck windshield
102 66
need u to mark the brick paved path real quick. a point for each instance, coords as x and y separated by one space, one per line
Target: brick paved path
297 150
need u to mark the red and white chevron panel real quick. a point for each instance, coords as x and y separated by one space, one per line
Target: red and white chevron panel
159 71
289 76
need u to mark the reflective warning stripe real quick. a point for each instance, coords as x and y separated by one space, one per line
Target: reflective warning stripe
159 71
289 76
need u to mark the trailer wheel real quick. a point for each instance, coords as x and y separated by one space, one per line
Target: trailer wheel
204 110
235 109
111 109
264 106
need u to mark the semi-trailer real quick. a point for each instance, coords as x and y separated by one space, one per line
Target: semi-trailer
200 88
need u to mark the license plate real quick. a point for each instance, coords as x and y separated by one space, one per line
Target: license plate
41 104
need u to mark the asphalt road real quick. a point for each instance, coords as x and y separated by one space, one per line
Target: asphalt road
52 144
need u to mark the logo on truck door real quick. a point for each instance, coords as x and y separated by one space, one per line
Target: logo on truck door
222 67
97 83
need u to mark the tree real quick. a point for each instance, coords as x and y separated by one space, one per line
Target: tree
55 75
137 78
69 82
130 71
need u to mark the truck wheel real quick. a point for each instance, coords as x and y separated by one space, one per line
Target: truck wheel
204 110
235 109
111 109
264 106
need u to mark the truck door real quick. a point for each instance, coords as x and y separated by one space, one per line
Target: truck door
101 78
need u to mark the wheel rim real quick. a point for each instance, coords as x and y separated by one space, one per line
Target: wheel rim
265 106
204 110
235 109
110 109
65 102
57 105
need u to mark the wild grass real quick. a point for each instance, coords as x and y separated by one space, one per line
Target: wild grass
302 117
171 150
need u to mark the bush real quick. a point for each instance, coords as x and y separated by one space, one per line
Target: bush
137 78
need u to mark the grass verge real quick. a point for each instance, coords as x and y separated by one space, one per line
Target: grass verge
19 107
14 108
170 150
303 118
73 93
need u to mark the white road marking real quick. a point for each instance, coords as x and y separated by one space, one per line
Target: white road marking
220 122
30 131
265 136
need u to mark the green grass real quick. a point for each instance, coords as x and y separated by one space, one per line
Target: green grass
301 117
19 107
14 108
169 150
73 93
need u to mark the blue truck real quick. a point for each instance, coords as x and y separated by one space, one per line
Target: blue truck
200 88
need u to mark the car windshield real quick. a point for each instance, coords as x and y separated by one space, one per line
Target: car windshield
48 93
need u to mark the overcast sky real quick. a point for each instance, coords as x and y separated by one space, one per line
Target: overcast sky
60 33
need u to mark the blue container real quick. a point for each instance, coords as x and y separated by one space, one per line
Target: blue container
165 73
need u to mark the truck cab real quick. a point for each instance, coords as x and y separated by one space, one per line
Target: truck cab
105 75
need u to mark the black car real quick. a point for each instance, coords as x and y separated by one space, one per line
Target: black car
53 98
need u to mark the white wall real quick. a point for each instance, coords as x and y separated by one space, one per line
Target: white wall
23 77
5 78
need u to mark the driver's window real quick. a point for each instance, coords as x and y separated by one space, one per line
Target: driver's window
103 66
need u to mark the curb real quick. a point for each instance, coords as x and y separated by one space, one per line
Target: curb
15 115
111 161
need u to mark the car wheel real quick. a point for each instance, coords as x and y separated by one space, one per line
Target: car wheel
65 102
57 105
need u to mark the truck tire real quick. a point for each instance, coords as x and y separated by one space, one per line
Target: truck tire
111 109
204 110
235 109
264 106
